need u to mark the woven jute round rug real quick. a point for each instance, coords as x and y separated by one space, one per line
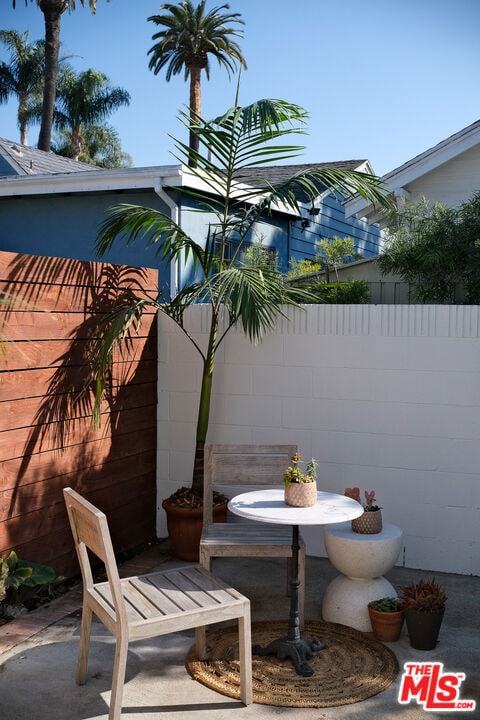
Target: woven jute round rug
352 667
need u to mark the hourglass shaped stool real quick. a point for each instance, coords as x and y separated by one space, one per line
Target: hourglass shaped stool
362 560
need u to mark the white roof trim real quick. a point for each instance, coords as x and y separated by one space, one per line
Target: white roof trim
420 165
88 181
106 180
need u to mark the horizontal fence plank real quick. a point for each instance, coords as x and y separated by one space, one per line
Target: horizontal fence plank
34 269
28 326
31 496
68 407
55 353
34 383
73 434
49 465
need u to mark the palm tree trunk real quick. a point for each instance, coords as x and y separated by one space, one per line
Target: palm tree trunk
76 144
22 122
204 410
52 11
195 108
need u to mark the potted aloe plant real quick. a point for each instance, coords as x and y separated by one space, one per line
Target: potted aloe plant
300 487
238 294
386 617
423 604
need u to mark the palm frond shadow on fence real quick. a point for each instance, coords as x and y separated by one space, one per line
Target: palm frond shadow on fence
62 419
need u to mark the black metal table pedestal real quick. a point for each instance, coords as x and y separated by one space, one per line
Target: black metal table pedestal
294 646
298 650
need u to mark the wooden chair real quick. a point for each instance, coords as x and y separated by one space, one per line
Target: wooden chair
247 467
148 605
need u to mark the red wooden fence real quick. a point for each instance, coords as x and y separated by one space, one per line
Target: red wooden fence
46 437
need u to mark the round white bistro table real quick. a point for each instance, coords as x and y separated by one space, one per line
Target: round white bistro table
269 506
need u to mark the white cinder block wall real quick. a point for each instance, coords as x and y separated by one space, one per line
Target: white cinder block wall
386 397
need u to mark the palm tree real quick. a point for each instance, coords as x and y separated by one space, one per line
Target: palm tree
101 146
84 100
52 11
237 294
23 75
192 35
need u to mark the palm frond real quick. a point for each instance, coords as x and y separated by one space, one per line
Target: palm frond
155 228
252 296
124 319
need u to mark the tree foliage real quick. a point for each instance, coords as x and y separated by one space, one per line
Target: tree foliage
437 250
52 11
334 252
190 37
101 146
22 75
83 101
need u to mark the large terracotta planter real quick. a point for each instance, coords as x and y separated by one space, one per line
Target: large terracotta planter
423 627
185 528
386 626
301 494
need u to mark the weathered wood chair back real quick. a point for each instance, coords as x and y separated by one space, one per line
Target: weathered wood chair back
90 532
231 469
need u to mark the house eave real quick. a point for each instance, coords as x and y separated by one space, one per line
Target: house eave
89 181
395 181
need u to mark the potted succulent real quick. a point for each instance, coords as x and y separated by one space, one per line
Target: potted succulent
370 522
300 487
423 605
386 617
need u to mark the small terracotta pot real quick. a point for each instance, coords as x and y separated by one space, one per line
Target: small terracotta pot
369 523
301 494
386 626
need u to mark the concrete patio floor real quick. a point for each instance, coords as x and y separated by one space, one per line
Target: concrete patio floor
38 654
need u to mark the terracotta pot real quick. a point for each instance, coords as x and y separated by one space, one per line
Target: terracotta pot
386 626
185 528
369 523
301 494
423 627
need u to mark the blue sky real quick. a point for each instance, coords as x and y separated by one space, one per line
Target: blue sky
381 79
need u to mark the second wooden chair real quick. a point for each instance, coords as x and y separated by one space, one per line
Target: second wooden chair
229 469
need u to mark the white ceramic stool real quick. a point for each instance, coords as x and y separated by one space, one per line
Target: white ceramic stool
362 560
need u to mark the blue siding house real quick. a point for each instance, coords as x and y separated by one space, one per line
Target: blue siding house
53 206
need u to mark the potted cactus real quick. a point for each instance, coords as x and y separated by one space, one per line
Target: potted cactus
300 487
423 604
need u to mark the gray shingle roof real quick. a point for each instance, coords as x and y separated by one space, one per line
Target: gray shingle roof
17 159
275 174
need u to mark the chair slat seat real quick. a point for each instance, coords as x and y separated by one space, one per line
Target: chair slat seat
149 605
227 468
168 594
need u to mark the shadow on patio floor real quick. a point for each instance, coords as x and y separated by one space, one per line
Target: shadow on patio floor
38 659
